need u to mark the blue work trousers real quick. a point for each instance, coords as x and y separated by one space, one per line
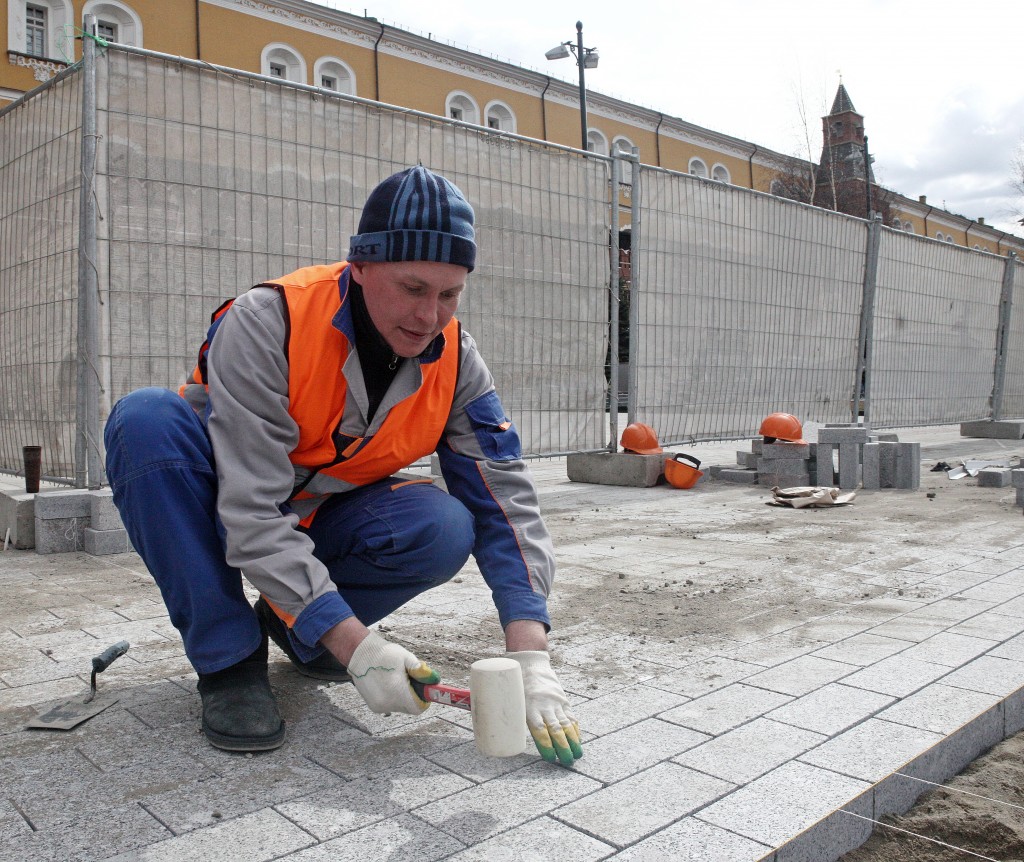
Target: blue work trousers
382 544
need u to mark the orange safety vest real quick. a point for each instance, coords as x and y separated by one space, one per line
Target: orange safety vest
316 353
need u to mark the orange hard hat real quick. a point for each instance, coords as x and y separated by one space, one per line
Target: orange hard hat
681 471
782 426
640 439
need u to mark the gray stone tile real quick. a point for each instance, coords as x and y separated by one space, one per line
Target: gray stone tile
785 802
1011 649
989 674
940 708
800 676
872 750
725 709
741 755
705 676
831 709
897 676
539 839
256 837
624 707
693 840
487 809
949 650
668 792
990 624
398 839
647 742
862 649
467 761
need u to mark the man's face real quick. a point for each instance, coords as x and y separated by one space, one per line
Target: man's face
410 302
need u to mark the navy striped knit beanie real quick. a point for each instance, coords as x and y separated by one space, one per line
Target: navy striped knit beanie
415 215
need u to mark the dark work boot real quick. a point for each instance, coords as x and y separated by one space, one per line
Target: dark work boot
324 666
239 710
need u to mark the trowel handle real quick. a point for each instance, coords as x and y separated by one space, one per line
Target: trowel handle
449 695
106 658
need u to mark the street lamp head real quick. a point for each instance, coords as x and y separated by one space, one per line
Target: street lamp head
590 58
559 52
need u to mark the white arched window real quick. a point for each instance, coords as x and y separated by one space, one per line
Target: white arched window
500 116
698 168
38 29
282 61
721 173
597 143
624 145
461 106
940 236
115 22
334 74
897 224
908 227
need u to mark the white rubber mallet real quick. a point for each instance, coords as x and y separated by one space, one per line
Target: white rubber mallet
496 700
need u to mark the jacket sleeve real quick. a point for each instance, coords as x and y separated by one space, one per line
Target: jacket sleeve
481 460
252 434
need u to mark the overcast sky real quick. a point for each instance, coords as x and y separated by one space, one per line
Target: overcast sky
940 82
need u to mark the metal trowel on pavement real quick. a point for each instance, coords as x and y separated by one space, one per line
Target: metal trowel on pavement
71 713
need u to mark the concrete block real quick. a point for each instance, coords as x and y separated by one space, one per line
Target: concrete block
888 438
103 514
870 476
729 474
1020 497
786 451
993 477
887 453
824 466
101 542
70 503
780 480
748 460
908 465
846 434
1017 478
60 535
782 465
756 445
849 464
615 468
17 514
1004 429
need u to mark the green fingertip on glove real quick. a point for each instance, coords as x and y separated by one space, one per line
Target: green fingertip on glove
425 674
559 745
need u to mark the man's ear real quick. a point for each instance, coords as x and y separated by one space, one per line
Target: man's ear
357 267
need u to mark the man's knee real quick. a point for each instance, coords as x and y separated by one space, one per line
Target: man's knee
150 426
452 535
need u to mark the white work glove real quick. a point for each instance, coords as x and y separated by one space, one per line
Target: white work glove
380 672
552 725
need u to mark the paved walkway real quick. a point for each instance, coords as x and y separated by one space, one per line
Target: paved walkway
750 681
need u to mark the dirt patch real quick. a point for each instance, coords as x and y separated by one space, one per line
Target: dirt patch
978 811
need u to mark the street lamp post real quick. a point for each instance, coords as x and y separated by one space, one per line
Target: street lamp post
586 58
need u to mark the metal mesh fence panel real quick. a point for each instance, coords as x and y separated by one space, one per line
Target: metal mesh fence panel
748 304
1012 402
215 182
935 328
40 159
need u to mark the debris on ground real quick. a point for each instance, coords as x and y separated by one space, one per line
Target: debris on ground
808 496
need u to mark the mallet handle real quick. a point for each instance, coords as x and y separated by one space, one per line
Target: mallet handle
449 695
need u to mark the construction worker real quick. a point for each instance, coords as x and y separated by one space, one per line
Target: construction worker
278 464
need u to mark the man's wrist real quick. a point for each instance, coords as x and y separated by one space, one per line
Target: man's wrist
523 635
341 640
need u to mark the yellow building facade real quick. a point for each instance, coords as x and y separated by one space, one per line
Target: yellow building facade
321 47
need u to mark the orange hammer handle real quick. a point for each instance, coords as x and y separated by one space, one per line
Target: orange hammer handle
446 694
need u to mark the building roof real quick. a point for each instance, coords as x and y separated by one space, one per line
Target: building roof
842 102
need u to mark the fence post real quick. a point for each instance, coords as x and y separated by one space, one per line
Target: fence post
613 284
1002 336
862 382
635 243
88 472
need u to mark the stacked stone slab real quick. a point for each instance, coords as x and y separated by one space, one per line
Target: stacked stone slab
76 520
1017 480
785 465
870 461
